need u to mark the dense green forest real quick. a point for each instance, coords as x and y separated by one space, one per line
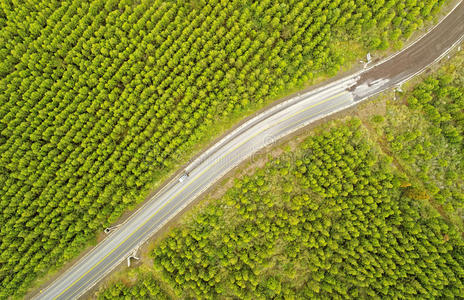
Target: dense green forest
100 99
335 217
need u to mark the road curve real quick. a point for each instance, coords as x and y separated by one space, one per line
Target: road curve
244 141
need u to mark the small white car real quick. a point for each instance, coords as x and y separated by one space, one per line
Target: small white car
183 177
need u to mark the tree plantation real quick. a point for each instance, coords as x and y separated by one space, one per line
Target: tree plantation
330 220
99 98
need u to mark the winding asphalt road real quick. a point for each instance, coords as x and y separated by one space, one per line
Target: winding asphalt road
244 141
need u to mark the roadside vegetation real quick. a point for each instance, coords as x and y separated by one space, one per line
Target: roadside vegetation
362 208
146 288
101 99
425 134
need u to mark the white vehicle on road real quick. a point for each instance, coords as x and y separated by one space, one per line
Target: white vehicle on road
183 177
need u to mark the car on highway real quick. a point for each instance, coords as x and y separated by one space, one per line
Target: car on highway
183 177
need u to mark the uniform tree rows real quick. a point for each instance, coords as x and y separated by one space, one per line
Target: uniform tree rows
332 220
99 97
